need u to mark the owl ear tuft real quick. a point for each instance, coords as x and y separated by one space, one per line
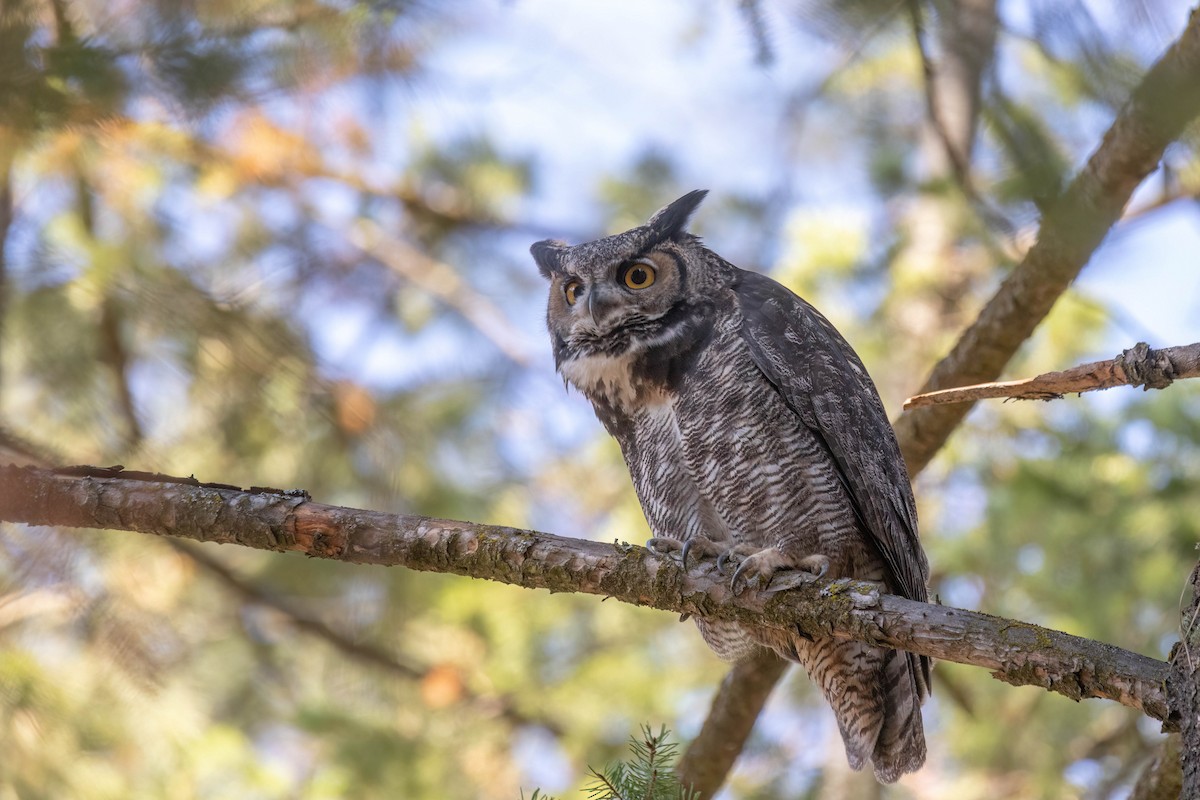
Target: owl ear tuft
548 256
668 223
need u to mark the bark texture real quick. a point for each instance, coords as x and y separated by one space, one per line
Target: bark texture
1017 652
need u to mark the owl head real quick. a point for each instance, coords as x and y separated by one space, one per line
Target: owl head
628 291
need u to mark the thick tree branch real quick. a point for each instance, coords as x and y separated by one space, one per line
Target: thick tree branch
1137 366
1165 101
1017 652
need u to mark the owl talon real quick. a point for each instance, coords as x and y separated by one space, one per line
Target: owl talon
702 546
816 564
697 545
808 570
683 552
663 546
772 571
734 555
738 583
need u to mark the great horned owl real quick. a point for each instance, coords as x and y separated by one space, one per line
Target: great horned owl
753 432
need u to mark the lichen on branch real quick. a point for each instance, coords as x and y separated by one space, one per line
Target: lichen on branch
1016 652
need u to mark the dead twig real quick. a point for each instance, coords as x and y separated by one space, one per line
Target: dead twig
1167 99
1138 366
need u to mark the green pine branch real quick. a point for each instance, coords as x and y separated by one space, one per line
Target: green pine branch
648 775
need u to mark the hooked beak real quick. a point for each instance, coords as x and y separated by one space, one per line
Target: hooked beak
601 301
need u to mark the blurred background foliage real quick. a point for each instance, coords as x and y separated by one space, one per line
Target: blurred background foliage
284 244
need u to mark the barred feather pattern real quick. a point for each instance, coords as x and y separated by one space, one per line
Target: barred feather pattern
746 420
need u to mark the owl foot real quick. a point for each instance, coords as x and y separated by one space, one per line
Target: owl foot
770 570
661 545
698 545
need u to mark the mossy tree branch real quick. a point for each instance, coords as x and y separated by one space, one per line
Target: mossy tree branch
1017 652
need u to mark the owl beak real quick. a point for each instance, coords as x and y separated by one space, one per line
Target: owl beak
600 303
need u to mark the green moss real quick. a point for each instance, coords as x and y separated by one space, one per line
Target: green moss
1041 636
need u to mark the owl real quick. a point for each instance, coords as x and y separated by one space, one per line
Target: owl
754 435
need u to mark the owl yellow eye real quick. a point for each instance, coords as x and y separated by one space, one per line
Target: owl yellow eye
638 276
572 291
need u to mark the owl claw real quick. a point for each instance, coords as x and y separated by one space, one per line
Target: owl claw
736 555
772 571
808 570
662 545
702 546
738 583
683 552
695 546
816 565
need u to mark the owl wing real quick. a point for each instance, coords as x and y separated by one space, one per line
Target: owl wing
823 381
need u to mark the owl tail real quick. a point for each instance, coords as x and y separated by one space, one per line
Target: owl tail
876 697
900 747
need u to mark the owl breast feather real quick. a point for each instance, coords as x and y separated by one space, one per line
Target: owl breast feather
602 377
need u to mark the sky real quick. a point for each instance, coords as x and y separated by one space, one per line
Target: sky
587 90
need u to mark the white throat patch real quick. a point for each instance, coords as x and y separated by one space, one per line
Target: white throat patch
603 376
